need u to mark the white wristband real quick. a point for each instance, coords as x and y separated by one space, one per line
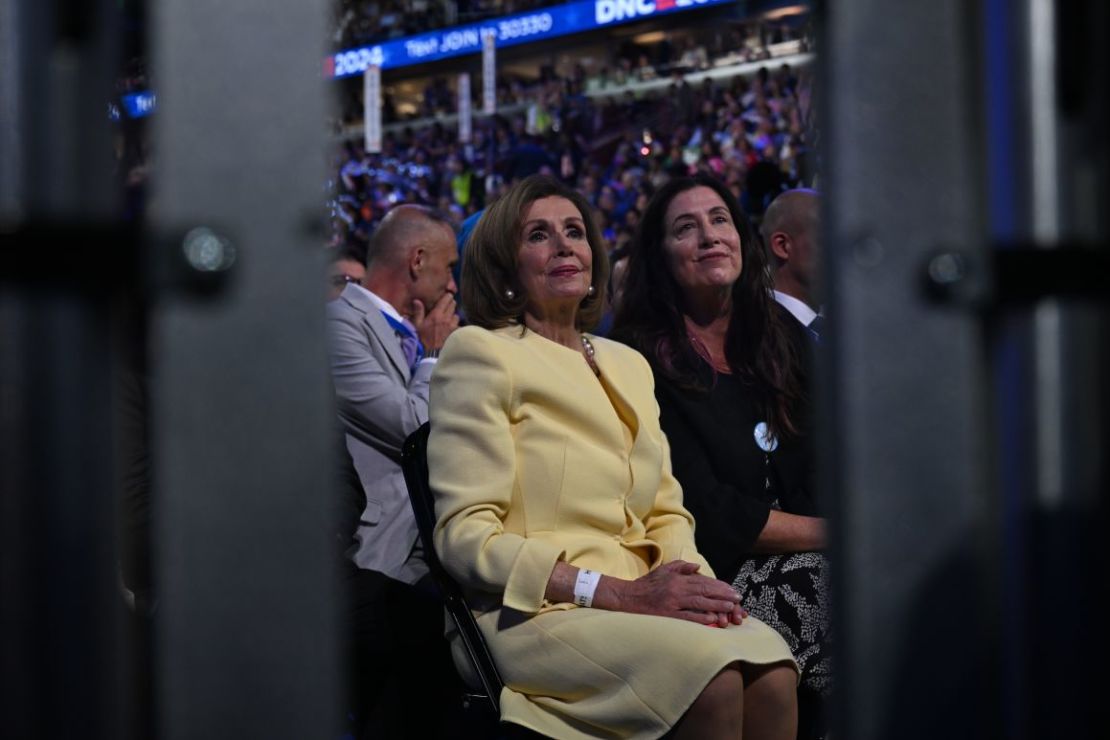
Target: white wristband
585 586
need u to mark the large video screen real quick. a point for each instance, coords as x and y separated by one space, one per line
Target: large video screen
510 30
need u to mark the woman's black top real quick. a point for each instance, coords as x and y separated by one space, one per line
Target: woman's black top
729 483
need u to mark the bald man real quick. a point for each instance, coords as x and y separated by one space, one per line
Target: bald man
791 230
385 335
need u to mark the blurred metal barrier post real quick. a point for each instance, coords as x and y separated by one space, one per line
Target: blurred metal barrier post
244 611
242 409
60 608
964 414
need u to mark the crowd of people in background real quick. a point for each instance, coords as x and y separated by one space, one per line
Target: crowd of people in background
753 133
690 50
358 22
589 127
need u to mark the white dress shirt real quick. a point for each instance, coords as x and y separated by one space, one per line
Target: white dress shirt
802 312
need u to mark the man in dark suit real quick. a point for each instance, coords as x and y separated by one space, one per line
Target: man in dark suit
791 231
792 235
385 336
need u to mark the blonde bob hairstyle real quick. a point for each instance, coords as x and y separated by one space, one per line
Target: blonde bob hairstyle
490 257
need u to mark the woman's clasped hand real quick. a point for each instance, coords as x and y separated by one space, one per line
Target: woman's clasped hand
676 589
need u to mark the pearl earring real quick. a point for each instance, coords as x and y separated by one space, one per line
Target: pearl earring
509 293
591 290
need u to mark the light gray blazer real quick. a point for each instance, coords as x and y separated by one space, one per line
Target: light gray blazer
380 403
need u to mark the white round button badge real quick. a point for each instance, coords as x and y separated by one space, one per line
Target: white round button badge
763 437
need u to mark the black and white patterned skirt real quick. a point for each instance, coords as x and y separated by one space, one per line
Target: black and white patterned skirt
790 593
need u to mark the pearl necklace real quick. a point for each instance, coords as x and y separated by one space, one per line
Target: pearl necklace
588 348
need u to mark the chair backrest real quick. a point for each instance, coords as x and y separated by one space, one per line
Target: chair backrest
414 463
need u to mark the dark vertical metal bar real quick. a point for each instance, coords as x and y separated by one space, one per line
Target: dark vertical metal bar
1009 350
904 438
1066 562
242 407
1046 168
12 133
59 598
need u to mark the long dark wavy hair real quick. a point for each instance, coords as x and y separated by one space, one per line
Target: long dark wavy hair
651 314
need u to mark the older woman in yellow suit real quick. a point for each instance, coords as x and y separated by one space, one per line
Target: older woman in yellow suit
557 511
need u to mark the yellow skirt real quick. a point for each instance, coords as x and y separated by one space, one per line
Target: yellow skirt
591 673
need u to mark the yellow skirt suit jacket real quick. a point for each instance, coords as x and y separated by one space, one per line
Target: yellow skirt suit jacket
534 459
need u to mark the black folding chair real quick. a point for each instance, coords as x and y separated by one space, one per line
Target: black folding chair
414 463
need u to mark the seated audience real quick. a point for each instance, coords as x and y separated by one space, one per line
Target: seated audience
557 511
731 386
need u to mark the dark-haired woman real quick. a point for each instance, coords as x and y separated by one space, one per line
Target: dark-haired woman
557 511
731 386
